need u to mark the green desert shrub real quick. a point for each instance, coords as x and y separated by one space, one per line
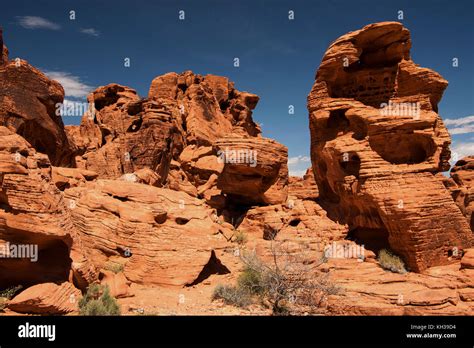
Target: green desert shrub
232 295
251 279
10 292
391 262
98 301
240 237
114 267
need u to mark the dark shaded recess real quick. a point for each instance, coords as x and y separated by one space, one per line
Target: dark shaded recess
213 266
53 265
367 80
181 221
352 166
358 127
135 126
295 222
325 191
336 123
101 101
104 133
224 105
269 233
374 239
403 148
134 108
123 252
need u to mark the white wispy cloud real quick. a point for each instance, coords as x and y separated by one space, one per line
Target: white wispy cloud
460 125
34 22
73 86
298 159
461 149
297 165
90 31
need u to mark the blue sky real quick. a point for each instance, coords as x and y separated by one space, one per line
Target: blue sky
278 57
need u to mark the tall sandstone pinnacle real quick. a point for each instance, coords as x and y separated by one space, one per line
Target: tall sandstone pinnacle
376 167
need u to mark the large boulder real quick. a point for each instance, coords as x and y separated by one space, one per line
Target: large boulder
47 299
377 142
255 170
163 237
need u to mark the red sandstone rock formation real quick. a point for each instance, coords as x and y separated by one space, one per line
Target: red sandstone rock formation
461 186
178 133
4 55
33 211
162 237
28 104
162 185
375 167
47 299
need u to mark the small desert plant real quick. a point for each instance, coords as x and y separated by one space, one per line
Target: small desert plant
287 284
10 292
114 267
240 237
391 262
98 301
232 295
251 279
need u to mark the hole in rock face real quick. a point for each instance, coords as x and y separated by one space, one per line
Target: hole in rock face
135 126
336 123
371 86
295 222
352 165
374 239
269 233
404 148
213 266
52 264
105 99
181 221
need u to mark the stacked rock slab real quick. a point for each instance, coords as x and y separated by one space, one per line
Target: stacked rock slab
377 143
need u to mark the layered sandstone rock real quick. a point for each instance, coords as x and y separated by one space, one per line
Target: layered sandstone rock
28 106
255 170
47 299
33 212
462 187
4 54
177 133
303 188
376 143
163 237
367 289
